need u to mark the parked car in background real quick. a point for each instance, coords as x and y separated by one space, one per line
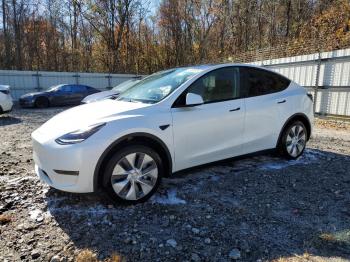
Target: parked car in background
170 121
6 102
60 95
113 93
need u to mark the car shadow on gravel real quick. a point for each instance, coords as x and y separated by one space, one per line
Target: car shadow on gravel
263 207
9 120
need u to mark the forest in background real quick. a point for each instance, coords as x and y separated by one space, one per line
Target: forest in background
143 36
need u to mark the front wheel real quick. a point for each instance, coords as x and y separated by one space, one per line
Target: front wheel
41 102
293 140
133 174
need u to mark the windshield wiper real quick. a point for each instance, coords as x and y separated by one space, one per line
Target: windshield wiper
129 100
113 97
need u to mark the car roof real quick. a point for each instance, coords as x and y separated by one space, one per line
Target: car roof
217 66
73 85
209 66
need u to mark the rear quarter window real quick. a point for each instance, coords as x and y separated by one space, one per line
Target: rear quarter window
257 82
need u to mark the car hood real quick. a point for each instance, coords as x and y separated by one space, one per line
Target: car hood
99 96
89 114
33 94
4 87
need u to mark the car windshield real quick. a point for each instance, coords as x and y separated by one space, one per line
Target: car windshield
125 85
156 87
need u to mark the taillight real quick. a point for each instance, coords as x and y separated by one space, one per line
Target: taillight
311 97
6 92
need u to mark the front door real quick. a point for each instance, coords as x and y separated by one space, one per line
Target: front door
214 130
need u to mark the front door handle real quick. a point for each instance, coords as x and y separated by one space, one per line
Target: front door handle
236 109
282 102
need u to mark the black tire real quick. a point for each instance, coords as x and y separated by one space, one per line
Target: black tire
283 144
117 157
41 102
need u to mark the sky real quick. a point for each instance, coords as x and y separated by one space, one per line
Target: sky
153 4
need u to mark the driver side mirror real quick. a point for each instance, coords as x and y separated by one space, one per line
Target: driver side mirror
194 99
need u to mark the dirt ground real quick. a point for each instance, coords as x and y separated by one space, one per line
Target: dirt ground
261 208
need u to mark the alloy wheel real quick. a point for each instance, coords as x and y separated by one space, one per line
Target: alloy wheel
134 176
296 140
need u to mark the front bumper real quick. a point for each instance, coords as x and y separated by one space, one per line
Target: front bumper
26 102
68 168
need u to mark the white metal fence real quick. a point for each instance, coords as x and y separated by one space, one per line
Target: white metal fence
328 73
22 82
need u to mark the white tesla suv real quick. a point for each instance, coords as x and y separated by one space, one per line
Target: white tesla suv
170 121
6 102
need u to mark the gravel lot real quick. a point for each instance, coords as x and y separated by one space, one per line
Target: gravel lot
255 209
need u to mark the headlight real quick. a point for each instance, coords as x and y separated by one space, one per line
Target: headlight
80 135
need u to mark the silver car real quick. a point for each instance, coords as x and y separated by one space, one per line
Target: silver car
113 93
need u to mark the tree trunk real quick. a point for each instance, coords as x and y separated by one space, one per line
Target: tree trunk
18 37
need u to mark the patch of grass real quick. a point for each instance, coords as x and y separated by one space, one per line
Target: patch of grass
327 237
306 255
341 237
86 255
4 219
332 243
115 258
295 258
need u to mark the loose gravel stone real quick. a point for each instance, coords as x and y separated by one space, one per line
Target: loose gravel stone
235 254
172 242
260 207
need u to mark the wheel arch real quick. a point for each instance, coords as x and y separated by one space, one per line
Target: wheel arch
296 117
42 97
134 138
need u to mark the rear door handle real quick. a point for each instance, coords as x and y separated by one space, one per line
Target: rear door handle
282 102
236 109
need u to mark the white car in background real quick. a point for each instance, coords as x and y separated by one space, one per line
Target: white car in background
6 101
170 121
113 93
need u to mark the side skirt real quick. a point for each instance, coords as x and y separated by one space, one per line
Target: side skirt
225 161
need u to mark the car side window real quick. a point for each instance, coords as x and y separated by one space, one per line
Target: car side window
218 85
257 82
66 89
79 89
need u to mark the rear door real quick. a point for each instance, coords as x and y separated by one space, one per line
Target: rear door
265 101
90 90
62 96
79 93
214 130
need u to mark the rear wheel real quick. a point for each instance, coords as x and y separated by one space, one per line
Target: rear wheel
41 102
293 140
133 174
